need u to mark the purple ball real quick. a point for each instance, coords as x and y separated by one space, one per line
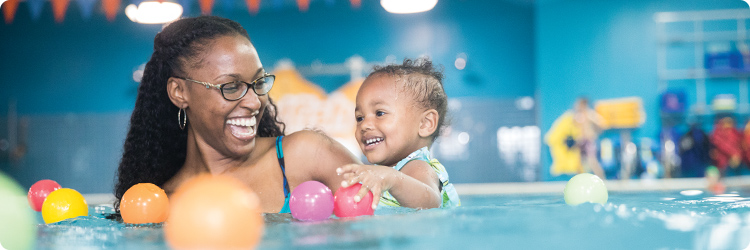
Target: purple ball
311 201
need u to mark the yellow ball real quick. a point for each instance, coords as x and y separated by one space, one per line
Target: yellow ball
585 188
64 203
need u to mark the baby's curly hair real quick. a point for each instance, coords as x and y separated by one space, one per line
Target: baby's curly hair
424 82
155 146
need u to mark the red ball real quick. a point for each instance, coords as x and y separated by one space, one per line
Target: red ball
345 206
39 192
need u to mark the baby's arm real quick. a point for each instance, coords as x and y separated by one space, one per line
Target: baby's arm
415 186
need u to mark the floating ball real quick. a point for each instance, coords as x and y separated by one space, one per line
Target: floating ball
311 201
39 191
345 206
17 221
585 188
62 204
214 212
144 203
713 172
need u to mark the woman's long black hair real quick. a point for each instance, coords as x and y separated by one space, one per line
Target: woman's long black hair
155 146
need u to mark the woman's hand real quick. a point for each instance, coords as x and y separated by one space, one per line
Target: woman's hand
377 179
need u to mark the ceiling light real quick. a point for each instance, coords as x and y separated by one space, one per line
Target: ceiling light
407 6
153 12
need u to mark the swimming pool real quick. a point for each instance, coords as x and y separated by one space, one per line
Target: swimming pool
630 220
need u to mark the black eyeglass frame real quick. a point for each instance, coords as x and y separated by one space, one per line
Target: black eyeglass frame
220 87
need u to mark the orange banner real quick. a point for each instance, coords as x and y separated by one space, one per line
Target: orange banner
206 6
303 5
253 6
9 9
59 7
110 8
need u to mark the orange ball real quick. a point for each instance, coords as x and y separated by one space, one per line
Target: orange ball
144 203
214 212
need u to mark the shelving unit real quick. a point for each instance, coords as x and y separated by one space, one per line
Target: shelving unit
699 37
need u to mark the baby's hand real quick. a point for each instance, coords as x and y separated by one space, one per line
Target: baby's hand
377 179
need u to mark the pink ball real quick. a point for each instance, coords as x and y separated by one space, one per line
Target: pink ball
311 201
39 192
345 206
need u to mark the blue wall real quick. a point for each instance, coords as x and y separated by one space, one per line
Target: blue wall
86 65
554 50
606 49
82 69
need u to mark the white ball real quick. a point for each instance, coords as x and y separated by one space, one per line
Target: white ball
585 188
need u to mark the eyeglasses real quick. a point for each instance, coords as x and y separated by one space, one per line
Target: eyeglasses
235 90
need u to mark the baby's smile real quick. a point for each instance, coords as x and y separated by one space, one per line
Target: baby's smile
374 141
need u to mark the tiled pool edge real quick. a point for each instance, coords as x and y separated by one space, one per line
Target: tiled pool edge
544 187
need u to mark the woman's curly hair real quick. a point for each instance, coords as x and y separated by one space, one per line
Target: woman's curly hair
155 146
424 82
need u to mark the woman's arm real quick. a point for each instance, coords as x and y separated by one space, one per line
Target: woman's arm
312 155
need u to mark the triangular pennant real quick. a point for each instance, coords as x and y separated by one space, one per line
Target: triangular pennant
9 10
356 3
87 7
206 6
35 8
253 6
187 6
303 5
59 7
110 8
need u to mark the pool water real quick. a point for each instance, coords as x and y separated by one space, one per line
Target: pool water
645 220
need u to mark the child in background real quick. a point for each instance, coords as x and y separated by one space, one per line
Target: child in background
400 110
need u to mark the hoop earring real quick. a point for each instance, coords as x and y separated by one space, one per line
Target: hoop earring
182 121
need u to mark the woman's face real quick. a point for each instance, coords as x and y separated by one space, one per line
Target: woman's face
229 127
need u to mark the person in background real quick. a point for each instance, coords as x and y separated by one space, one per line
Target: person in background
727 141
400 110
591 125
206 72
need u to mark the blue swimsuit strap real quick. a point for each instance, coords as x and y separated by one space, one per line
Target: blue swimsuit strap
280 157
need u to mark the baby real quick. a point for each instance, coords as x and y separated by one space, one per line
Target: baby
400 110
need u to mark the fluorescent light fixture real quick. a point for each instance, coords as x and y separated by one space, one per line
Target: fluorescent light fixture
407 6
153 12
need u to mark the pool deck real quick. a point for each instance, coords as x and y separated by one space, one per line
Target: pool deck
612 185
547 187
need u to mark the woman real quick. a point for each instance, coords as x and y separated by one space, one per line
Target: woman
206 70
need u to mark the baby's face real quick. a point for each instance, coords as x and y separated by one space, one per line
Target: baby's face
388 121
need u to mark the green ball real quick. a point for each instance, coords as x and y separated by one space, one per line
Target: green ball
585 188
18 224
